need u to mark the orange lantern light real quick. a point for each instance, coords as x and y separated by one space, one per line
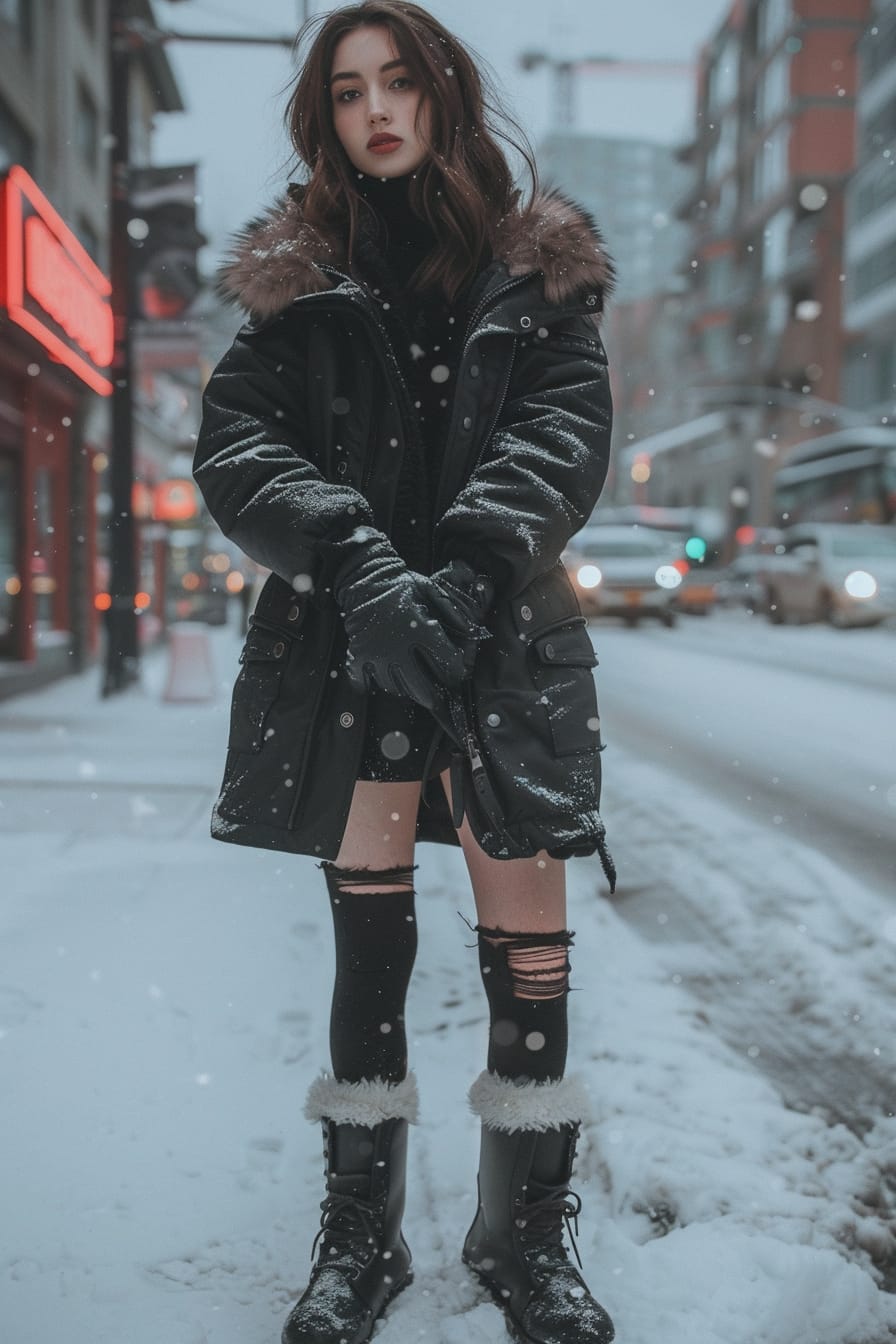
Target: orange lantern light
174 501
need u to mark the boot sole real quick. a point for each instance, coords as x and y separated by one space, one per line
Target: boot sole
514 1329
393 1293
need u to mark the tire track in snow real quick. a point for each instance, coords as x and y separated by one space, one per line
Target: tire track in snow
786 957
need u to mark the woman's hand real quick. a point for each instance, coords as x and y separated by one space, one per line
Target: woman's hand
461 598
395 641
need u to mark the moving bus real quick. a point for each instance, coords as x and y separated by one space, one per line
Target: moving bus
847 477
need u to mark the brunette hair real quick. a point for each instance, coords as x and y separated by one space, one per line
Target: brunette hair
462 189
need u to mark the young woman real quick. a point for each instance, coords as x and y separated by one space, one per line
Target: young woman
407 431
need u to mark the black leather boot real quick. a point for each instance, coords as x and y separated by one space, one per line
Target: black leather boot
515 1246
363 1260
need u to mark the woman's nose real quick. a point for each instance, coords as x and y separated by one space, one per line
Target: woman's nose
378 110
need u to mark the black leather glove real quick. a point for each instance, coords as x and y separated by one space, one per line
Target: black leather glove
461 598
395 641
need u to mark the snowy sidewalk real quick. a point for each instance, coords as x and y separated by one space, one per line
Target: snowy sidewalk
164 1003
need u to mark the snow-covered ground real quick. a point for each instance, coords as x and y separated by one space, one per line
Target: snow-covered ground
164 1003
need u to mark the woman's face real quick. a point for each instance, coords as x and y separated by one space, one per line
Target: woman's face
375 103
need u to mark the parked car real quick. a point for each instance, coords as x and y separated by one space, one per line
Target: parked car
741 583
844 573
623 571
698 592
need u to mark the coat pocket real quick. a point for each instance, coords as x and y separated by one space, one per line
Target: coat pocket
562 662
264 658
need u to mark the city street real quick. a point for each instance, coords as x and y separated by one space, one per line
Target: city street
789 724
340 294
164 1005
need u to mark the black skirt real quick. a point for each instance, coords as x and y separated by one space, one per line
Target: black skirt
401 741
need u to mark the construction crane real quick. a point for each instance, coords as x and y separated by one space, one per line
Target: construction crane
565 73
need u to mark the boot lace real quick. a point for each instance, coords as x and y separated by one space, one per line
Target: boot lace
350 1226
541 1223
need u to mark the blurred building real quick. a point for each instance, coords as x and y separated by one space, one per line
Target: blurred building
870 314
631 187
773 151
55 321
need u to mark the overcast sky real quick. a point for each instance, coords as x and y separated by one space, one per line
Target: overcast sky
235 97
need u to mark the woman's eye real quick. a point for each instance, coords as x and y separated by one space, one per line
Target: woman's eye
346 96
403 80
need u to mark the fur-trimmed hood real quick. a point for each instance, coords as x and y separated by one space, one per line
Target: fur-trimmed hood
276 258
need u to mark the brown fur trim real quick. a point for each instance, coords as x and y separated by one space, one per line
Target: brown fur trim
275 258
559 238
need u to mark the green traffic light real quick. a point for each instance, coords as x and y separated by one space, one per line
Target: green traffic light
695 548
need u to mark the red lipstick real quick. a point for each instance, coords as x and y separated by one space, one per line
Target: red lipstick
383 143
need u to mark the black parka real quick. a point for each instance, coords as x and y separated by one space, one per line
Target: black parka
305 421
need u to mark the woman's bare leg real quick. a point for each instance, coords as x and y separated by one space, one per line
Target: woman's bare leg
380 831
520 894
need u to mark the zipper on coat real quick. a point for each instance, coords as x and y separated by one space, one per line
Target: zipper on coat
488 302
384 350
483 307
409 419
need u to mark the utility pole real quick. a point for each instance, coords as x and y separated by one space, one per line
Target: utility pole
128 35
122 654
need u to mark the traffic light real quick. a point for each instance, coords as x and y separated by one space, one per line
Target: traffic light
695 549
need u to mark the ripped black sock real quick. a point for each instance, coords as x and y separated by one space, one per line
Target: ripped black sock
526 979
376 944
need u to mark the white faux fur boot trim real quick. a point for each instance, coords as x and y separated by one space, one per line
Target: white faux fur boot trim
368 1102
502 1104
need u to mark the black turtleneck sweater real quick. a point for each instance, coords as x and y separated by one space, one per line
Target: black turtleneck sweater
426 333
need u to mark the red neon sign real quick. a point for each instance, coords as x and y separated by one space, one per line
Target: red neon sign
50 286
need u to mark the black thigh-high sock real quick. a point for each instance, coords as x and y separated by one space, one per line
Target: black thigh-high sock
376 943
526 979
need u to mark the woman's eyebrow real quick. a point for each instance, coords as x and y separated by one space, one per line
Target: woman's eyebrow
353 74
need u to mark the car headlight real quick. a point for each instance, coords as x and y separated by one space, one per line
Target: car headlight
859 583
589 576
667 576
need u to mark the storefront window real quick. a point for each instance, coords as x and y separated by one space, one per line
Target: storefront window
87 124
43 560
10 580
